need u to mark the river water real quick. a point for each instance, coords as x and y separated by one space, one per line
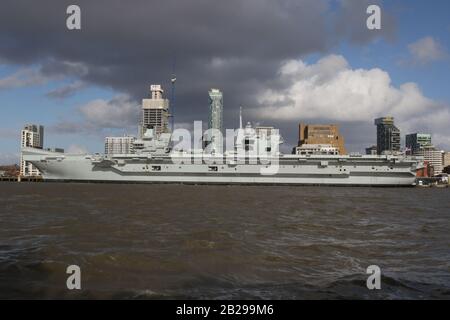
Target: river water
136 241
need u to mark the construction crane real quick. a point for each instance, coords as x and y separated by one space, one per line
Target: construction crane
173 79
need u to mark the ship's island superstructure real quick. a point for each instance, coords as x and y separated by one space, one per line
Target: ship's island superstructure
254 158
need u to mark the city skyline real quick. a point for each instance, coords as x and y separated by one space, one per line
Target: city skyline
286 74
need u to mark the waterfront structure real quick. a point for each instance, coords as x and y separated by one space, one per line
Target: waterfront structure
155 111
119 145
415 141
431 156
446 159
214 139
10 171
446 162
321 134
420 144
372 150
316 149
388 136
32 136
427 171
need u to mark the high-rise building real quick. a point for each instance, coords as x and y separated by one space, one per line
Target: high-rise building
371 151
388 135
155 111
446 159
419 144
432 156
416 141
215 121
318 134
215 109
32 136
119 145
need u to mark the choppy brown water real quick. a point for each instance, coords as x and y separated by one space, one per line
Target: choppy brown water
222 242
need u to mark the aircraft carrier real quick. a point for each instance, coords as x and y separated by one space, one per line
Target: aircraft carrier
154 159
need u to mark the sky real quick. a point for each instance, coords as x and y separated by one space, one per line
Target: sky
284 61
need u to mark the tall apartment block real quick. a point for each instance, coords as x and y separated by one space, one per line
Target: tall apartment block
416 141
388 135
419 144
320 134
32 136
155 112
433 157
215 120
446 159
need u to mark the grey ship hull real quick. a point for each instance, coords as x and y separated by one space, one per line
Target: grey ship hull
292 170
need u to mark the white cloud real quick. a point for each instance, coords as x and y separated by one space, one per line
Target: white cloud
102 117
67 90
427 50
119 112
332 91
23 78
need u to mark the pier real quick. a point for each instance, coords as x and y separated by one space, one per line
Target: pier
21 179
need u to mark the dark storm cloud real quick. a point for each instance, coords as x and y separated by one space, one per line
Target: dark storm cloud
352 13
235 45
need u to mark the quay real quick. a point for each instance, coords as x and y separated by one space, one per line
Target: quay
21 179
